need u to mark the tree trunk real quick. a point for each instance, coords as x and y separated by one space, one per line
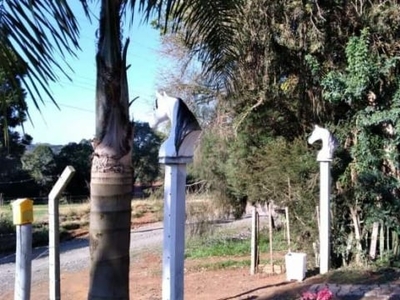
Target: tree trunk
357 233
374 240
111 174
381 240
395 239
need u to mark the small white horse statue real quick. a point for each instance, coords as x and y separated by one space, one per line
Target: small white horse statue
185 129
329 143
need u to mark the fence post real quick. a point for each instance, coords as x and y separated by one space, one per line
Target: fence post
23 218
254 241
54 235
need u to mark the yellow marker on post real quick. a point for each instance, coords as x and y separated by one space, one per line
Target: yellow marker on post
22 211
23 218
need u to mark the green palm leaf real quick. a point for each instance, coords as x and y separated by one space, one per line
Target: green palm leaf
41 34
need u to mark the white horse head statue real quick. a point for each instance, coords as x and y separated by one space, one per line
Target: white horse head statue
329 143
185 129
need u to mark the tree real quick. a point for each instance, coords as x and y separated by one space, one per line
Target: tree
78 156
145 154
368 184
14 180
41 165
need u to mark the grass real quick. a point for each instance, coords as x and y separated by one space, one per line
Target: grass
223 264
217 247
72 216
230 246
153 207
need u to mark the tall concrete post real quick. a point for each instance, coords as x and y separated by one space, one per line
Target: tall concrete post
324 157
175 152
174 227
324 200
54 235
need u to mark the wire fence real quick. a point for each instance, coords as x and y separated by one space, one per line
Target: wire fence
5 201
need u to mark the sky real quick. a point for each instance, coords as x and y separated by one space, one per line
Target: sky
75 120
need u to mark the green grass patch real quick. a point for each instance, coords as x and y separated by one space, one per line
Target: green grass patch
226 264
217 247
230 246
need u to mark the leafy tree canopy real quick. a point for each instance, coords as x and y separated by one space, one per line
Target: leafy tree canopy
41 165
145 148
77 155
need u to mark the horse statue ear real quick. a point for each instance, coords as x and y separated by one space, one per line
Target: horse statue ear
165 94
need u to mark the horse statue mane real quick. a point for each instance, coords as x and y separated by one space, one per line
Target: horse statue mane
329 143
184 131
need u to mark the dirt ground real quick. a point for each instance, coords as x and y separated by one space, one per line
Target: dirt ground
145 283
146 278
201 283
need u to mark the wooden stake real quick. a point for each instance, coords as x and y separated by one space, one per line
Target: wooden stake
288 227
270 237
254 242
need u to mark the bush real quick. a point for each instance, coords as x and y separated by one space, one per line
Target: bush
6 223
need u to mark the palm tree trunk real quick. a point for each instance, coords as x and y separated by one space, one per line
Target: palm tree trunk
111 174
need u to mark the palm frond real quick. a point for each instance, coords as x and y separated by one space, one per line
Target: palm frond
41 34
209 27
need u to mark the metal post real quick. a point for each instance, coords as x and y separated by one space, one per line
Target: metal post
23 262
324 233
174 227
54 237
23 218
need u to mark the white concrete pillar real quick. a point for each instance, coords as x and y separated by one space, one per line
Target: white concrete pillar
174 227
324 233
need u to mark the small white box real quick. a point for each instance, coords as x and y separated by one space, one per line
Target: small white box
296 266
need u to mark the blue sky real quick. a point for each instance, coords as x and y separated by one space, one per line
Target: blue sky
76 118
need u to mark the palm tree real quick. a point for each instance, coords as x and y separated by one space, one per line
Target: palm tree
40 27
111 174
